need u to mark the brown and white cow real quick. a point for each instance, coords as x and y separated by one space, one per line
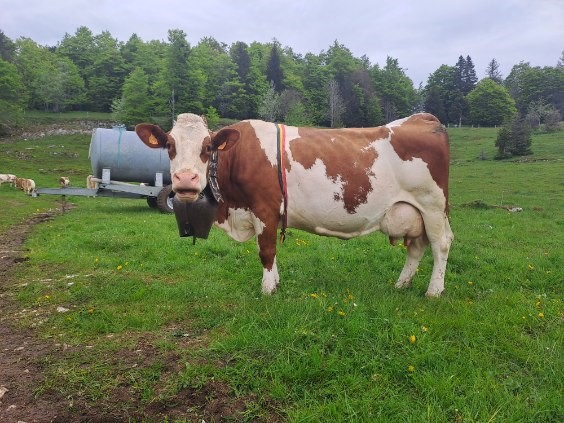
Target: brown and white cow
26 185
340 182
9 178
64 181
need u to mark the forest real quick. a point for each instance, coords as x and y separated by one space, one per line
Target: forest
153 80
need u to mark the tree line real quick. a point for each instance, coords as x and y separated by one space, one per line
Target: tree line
154 80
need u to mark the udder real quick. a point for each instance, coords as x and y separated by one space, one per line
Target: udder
403 221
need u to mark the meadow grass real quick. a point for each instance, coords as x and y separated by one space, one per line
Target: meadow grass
337 342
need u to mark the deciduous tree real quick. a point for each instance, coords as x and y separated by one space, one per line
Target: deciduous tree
490 104
11 99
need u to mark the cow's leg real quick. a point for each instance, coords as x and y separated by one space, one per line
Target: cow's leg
440 236
415 251
267 253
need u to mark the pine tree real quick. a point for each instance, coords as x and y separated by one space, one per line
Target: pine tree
434 104
274 72
514 139
493 72
520 137
469 76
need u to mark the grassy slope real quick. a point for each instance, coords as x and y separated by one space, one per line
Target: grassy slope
334 343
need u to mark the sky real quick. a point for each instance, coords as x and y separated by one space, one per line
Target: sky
421 34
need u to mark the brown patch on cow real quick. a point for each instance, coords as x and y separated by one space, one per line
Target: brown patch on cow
243 162
423 136
347 155
171 147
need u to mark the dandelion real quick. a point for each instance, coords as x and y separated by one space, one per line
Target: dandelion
537 304
314 295
541 315
410 368
412 339
330 309
424 329
120 267
341 313
470 283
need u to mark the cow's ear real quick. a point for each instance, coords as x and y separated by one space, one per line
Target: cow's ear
225 139
152 135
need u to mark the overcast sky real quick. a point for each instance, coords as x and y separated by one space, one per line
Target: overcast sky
421 34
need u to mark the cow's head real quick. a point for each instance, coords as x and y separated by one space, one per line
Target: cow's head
189 144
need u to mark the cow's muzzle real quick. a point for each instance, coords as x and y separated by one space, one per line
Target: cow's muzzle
186 185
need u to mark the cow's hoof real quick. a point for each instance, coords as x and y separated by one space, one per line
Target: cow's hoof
268 289
433 293
402 284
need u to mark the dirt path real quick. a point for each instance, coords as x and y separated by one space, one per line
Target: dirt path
20 348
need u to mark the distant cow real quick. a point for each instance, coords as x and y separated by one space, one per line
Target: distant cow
7 177
90 183
64 181
334 182
26 185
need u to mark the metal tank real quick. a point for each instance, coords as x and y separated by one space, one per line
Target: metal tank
128 159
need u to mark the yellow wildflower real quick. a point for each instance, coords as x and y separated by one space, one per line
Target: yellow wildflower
330 309
120 267
410 368
541 315
412 339
314 295
424 329
470 283
531 267
341 313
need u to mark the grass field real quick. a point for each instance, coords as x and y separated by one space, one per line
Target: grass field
337 342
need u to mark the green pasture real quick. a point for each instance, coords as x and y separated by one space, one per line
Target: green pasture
337 342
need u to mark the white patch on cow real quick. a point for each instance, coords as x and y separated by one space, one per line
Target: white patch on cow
397 122
270 279
314 202
266 133
241 225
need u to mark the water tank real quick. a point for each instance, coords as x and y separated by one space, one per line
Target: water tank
128 159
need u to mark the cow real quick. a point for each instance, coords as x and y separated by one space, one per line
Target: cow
8 177
19 183
91 183
334 182
64 181
26 185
